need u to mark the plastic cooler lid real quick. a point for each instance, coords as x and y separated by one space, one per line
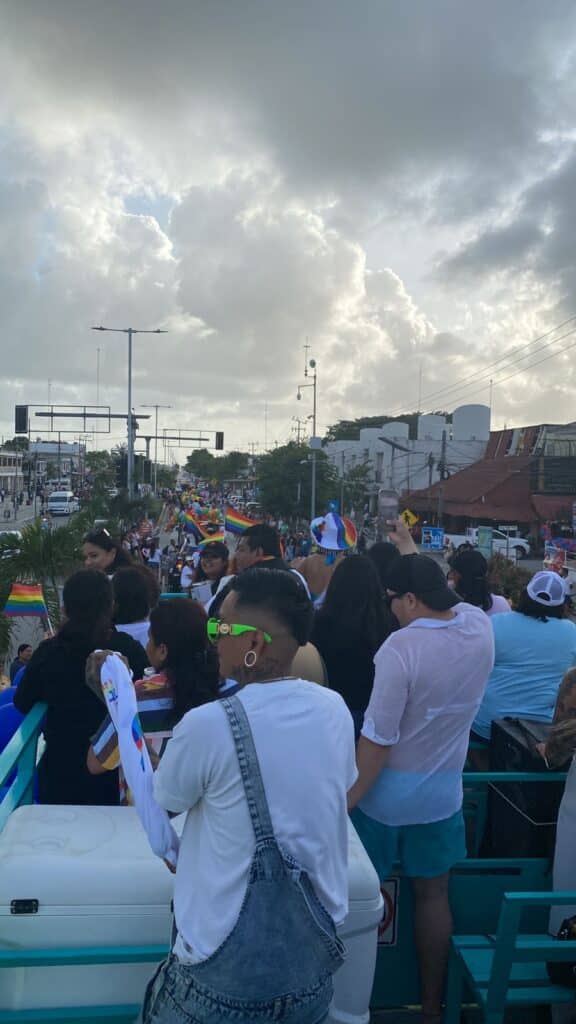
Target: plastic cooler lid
80 857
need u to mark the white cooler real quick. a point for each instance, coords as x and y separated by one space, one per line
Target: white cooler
97 883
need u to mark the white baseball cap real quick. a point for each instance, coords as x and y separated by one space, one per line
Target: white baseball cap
547 588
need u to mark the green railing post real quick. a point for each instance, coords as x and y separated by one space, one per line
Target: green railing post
20 755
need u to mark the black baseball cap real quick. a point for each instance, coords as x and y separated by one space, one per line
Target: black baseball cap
215 548
423 577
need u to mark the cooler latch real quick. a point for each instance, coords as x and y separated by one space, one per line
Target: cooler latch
24 907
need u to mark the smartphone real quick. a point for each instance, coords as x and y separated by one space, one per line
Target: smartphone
388 509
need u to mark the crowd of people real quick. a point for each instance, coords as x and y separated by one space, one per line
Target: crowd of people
267 764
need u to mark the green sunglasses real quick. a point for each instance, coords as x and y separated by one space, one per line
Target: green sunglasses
216 629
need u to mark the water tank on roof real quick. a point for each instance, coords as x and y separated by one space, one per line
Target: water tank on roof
396 429
430 427
471 423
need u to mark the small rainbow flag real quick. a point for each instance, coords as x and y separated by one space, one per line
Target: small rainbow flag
208 537
236 522
350 533
25 599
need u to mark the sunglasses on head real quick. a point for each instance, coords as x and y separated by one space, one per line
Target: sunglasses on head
217 629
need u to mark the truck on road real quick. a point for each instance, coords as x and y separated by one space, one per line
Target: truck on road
502 543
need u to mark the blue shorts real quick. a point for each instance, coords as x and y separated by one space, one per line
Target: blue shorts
425 851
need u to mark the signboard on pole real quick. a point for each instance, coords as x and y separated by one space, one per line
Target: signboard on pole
432 538
485 540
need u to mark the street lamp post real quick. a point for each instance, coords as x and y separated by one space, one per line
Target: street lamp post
312 366
130 331
156 407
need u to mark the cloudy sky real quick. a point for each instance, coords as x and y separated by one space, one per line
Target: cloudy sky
393 181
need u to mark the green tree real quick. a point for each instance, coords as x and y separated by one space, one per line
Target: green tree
355 487
39 556
230 466
200 463
283 477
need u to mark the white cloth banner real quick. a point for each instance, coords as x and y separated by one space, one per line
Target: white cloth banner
120 696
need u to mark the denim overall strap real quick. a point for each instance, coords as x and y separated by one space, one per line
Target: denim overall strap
249 768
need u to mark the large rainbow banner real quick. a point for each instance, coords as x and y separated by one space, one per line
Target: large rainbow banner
25 599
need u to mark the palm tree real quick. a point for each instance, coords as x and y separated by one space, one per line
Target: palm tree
38 556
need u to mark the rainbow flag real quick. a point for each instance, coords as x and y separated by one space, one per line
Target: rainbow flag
236 522
208 537
25 599
350 533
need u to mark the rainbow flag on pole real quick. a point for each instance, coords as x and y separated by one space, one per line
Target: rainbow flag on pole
25 599
237 522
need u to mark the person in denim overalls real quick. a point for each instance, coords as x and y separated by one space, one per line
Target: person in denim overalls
277 962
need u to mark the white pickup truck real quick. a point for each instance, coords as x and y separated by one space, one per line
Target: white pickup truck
502 543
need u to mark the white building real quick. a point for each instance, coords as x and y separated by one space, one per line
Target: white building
61 461
11 477
403 464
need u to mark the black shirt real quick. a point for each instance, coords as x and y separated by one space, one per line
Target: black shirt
56 675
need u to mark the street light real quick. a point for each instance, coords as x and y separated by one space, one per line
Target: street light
313 367
156 407
130 331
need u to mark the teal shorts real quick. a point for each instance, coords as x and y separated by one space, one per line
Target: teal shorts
425 851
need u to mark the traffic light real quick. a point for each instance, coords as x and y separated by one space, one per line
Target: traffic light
219 441
21 419
122 472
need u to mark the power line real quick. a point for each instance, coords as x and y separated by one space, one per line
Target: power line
484 380
513 355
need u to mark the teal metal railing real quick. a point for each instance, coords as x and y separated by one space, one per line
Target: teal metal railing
19 757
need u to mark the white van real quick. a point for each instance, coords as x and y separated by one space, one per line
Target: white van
62 503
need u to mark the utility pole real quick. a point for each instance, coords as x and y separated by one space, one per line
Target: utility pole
156 407
298 428
130 331
442 471
311 364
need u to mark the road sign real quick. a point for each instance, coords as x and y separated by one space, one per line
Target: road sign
485 540
432 538
409 518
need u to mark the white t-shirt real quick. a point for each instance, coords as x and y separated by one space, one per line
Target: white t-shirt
138 630
500 606
186 577
428 685
304 738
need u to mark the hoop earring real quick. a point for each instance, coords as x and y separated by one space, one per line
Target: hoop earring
250 659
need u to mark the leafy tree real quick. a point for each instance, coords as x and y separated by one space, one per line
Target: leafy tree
166 476
200 463
39 556
17 444
356 487
283 477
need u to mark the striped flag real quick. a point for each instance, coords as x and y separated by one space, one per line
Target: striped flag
237 522
25 599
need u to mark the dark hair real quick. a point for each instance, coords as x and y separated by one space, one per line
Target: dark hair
88 599
535 610
192 662
354 600
263 536
102 539
136 590
473 585
382 554
279 592
23 647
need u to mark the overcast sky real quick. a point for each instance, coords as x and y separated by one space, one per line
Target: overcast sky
393 180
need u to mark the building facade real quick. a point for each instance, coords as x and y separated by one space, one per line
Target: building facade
61 463
398 462
11 474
